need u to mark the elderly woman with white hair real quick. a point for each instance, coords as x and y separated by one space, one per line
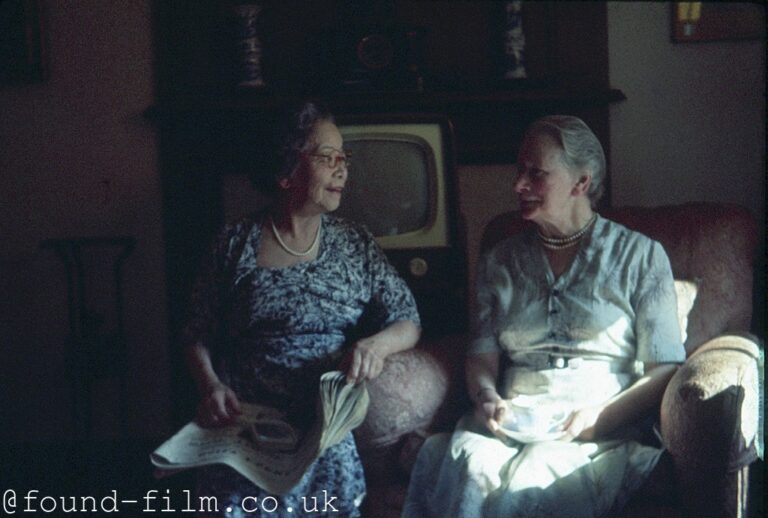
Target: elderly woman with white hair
575 339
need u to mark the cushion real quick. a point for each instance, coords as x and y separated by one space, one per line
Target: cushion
686 292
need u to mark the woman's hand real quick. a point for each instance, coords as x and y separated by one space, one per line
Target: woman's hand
482 371
581 424
365 363
220 407
218 404
641 397
366 359
490 409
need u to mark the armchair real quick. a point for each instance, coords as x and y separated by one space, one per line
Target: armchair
709 415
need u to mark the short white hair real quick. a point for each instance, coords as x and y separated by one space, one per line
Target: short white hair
581 148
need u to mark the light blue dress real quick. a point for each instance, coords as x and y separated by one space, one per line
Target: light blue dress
567 342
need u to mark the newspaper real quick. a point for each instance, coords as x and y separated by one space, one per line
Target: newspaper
261 445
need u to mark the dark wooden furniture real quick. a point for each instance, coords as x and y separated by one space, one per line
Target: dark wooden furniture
96 347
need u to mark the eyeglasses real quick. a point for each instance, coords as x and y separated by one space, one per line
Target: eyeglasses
332 161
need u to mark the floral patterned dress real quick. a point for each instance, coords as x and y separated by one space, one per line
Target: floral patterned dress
570 341
272 332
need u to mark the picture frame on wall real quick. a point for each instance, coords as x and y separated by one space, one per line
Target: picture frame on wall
22 48
717 21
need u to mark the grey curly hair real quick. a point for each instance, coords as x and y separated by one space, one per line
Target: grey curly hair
581 148
291 139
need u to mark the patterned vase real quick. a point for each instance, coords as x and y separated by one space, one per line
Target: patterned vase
247 69
514 41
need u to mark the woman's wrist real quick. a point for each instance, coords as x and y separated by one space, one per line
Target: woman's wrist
210 386
396 337
206 380
202 371
478 395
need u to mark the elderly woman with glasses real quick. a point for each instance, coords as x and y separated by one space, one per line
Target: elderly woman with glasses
287 294
575 338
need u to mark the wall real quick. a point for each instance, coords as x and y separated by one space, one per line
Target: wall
79 160
484 191
693 125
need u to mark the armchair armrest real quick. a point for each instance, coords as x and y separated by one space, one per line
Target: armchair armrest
709 419
419 391
711 403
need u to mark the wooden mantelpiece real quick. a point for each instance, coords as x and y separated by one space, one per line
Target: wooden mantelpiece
394 100
487 124
309 50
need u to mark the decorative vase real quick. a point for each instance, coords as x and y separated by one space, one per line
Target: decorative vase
248 48
514 41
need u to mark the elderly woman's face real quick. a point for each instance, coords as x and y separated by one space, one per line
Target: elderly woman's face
319 183
544 185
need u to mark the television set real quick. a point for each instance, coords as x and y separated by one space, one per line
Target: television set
401 186
398 182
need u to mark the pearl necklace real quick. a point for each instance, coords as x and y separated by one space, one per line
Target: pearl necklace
561 243
290 250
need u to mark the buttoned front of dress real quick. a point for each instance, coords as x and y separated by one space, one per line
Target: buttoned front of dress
595 312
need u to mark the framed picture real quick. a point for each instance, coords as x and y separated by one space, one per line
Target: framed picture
21 42
717 21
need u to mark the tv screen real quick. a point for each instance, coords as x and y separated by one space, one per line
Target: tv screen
398 165
398 181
